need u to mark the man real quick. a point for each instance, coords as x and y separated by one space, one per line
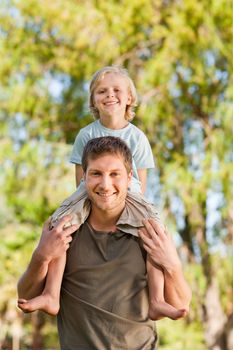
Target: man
104 295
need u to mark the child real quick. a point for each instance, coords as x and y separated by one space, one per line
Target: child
112 99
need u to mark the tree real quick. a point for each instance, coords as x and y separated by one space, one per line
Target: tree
179 55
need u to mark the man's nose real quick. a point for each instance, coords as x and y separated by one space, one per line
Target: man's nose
105 182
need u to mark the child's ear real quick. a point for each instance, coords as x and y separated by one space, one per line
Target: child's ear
129 99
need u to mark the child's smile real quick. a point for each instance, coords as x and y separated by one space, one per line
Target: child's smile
112 96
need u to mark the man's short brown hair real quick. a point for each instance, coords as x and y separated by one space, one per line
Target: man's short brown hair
100 146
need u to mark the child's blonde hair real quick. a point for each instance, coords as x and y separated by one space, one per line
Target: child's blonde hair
129 113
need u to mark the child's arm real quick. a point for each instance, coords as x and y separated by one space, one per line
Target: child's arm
78 174
142 174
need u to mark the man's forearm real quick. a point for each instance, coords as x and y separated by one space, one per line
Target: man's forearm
53 244
161 249
32 282
177 292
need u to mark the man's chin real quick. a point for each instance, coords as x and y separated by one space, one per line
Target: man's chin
107 205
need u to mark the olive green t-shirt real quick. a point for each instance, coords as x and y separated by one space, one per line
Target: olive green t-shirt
104 295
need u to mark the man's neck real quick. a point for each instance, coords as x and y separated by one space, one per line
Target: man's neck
104 221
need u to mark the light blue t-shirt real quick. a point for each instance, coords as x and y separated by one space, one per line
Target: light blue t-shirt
133 137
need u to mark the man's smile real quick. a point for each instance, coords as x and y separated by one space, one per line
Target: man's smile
105 195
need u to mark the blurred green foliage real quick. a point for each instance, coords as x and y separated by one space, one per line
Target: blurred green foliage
179 53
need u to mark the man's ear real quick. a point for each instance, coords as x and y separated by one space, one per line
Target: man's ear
130 175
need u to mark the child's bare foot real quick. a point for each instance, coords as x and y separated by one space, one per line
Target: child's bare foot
43 302
160 309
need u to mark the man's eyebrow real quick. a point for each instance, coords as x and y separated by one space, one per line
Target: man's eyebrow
111 170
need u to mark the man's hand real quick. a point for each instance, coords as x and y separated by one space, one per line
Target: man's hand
159 245
162 252
55 242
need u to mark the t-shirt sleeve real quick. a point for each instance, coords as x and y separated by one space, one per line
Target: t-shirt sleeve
77 151
142 154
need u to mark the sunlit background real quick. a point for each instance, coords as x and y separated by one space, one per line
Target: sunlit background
179 54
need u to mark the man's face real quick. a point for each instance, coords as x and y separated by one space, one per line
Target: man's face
107 182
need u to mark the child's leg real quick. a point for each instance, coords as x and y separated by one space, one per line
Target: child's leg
77 206
158 308
48 301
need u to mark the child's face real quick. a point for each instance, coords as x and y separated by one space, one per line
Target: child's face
111 95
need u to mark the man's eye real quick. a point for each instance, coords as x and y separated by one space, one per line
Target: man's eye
115 174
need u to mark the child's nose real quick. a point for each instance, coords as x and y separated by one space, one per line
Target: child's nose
110 93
